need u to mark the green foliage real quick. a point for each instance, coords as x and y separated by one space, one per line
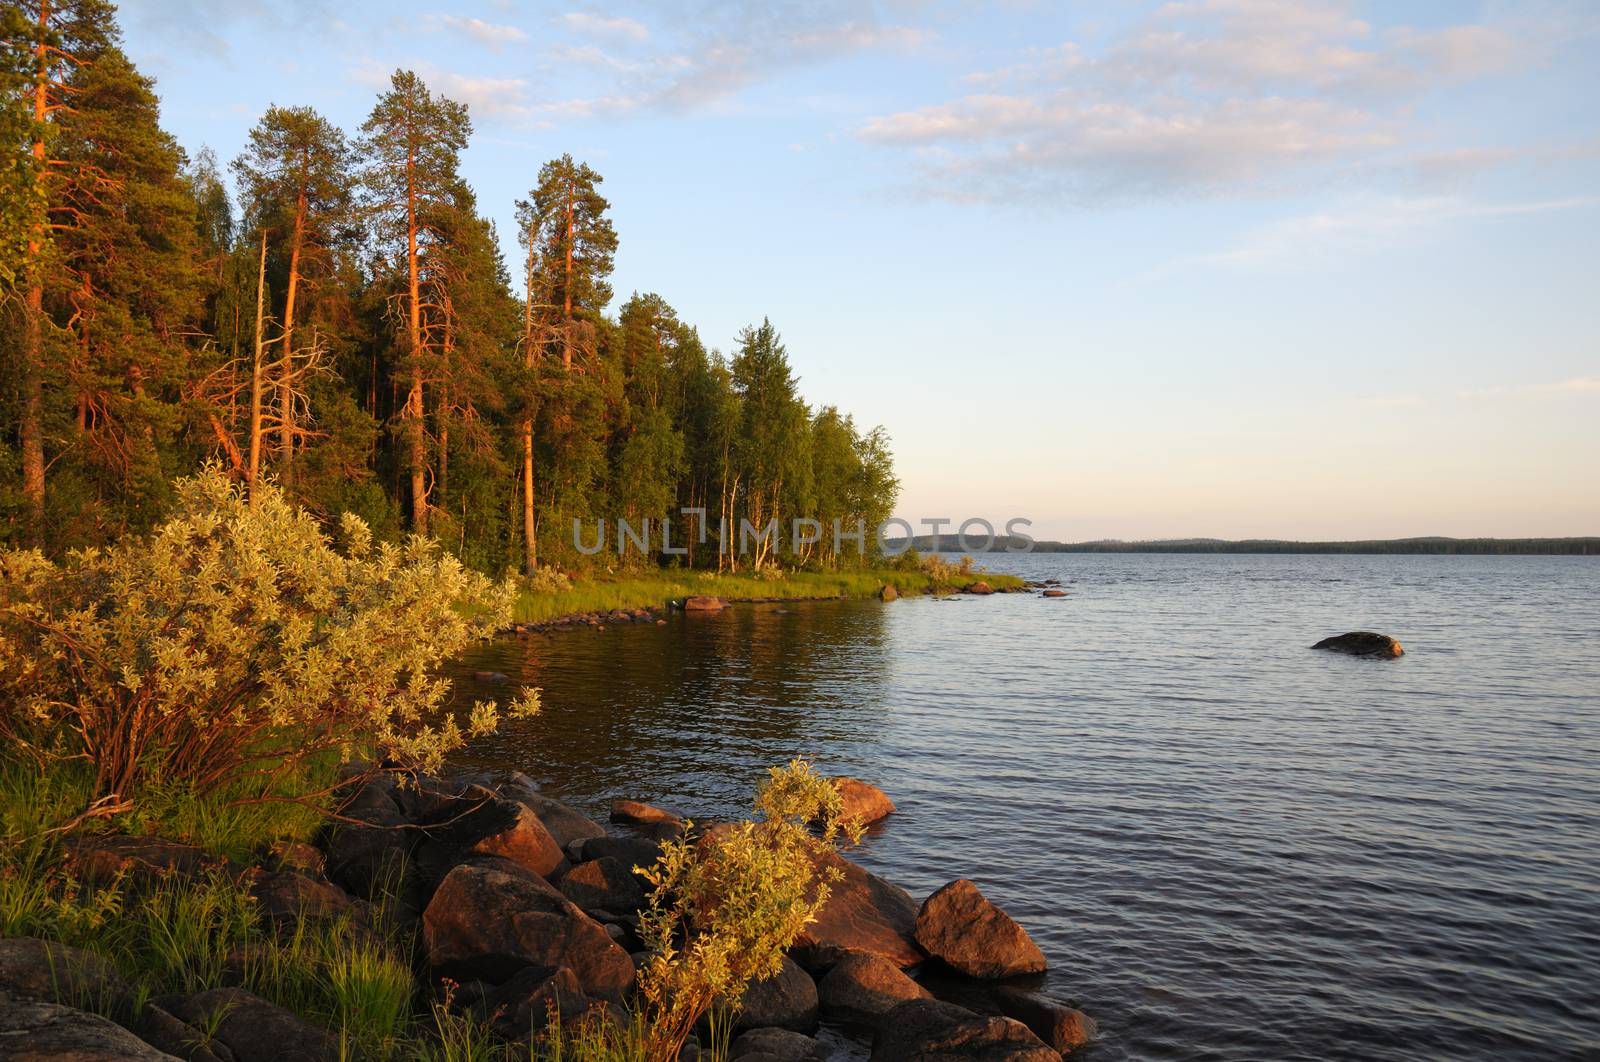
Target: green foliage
234 647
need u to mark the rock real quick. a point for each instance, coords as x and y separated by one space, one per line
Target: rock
787 1000
565 824
285 896
31 1031
142 859
979 587
46 972
888 592
862 801
489 919
630 851
604 884
296 855
1362 643
636 813
527 1003
864 915
1054 593
161 1030
863 988
373 848
702 603
1060 1026
962 929
926 1030
782 1045
252 1029
524 841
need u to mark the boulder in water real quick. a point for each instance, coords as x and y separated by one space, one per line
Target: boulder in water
960 927
1362 643
923 1030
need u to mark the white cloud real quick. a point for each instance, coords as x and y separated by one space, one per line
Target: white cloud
493 35
1583 385
614 27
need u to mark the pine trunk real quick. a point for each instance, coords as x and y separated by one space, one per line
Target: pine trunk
254 474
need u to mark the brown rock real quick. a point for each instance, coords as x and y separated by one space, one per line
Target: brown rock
864 802
46 972
565 824
1062 1027
701 603
888 593
979 587
252 1029
786 1000
961 928
926 1030
863 988
285 896
530 1000
864 915
637 813
1362 643
488 919
604 884
525 842
31 1031
1053 593
144 859
780 1045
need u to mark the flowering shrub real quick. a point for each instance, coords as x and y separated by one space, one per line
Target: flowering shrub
235 644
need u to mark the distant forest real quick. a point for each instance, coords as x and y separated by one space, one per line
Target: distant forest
1464 546
339 317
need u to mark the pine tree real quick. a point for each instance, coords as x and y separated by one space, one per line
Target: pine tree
411 145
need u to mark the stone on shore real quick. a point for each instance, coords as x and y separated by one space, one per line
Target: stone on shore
926 1030
863 802
979 587
47 972
489 919
527 1003
286 896
786 1000
960 927
604 884
1362 643
252 1029
704 603
1058 1025
864 915
524 841
638 813
888 593
631 851
565 824
863 988
369 850
31 1031
781 1045
140 859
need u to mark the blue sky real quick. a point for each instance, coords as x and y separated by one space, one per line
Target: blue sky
1298 268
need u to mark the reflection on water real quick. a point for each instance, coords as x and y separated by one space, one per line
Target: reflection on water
1227 845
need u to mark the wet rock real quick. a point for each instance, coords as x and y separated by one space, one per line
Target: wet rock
46 972
604 884
979 587
781 1045
638 813
786 1000
927 1030
489 919
862 801
702 603
962 929
888 592
864 915
863 988
31 1031
1362 643
1053 593
1058 1025
252 1029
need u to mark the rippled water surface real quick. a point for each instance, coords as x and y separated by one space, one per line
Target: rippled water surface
1229 846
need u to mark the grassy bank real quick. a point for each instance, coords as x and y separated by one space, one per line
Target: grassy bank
653 589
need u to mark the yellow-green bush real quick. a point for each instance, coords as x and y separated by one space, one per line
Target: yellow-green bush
234 645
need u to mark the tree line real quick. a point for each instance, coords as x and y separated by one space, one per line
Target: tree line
348 325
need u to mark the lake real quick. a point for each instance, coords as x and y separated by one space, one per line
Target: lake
1228 846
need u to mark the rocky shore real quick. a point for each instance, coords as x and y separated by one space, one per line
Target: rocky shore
522 908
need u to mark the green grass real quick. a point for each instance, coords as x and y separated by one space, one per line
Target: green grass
653 589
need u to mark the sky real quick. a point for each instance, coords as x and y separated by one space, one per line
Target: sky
1232 268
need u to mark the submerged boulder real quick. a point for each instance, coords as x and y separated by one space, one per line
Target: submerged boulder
1052 592
926 1030
863 988
1058 1025
1362 643
960 927
489 919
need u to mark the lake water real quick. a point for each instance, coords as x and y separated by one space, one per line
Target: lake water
1228 846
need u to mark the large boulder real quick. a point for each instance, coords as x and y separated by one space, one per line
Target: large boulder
638 813
863 988
252 1029
46 972
786 1000
31 1031
604 884
489 919
1057 1024
371 843
630 851
565 824
780 1045
1362 643
979 587
961 928
864 915
704 604
863 801
524 840
926 1030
